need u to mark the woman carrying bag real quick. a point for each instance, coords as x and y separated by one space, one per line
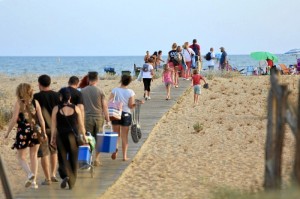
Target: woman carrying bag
187 53
66 126
126 96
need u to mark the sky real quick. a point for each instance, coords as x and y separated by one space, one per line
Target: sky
131 27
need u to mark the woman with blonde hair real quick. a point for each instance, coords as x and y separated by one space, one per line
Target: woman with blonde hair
172 62
187 54
27 114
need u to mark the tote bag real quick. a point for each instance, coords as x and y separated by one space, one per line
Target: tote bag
115 109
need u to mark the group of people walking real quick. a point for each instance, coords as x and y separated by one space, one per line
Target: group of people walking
184 61
49 122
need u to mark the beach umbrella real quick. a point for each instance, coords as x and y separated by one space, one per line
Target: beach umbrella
263 56
295 51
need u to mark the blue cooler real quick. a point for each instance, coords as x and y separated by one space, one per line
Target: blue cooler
84 154
107 142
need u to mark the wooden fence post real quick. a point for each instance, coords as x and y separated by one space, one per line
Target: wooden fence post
4 181
297 152
275 133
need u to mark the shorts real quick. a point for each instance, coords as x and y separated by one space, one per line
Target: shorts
211 67
197 89
125 120
168 84
94 124
45 147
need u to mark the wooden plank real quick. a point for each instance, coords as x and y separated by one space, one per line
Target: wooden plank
296 173
4 181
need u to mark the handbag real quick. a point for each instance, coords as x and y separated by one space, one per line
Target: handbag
135 130
115 109
205 86
78 136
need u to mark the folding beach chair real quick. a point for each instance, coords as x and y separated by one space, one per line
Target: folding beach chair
284 70
250 70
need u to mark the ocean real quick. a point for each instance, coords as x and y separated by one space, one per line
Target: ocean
56 65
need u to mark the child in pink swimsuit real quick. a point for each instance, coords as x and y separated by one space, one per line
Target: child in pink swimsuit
167 79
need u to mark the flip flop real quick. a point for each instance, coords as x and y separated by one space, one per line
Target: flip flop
114 155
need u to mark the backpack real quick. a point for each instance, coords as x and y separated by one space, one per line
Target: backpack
208 56
145 68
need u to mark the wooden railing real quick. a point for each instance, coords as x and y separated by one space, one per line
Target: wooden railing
280 112
4 181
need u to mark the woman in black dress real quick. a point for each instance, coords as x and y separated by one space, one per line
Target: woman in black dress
66 121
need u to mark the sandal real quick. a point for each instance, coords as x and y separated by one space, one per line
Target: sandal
114 155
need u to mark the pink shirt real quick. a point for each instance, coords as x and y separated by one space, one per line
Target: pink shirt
167 76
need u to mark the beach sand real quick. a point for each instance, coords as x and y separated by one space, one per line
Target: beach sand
176 161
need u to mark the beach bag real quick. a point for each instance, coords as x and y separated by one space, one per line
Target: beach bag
115 109
205 86
79 138
135 130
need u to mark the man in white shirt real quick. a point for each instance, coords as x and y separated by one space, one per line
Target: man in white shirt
262 64
211 59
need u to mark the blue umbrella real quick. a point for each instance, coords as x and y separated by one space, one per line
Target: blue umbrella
295 51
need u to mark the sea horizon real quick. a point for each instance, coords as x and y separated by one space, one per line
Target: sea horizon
80 65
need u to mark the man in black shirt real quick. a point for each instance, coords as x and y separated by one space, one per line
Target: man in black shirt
47 99
76 96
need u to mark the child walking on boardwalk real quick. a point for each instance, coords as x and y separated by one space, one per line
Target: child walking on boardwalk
196 78
167 79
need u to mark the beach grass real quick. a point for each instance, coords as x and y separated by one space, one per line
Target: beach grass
5 115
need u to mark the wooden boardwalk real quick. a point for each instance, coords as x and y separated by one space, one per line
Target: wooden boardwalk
110 171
